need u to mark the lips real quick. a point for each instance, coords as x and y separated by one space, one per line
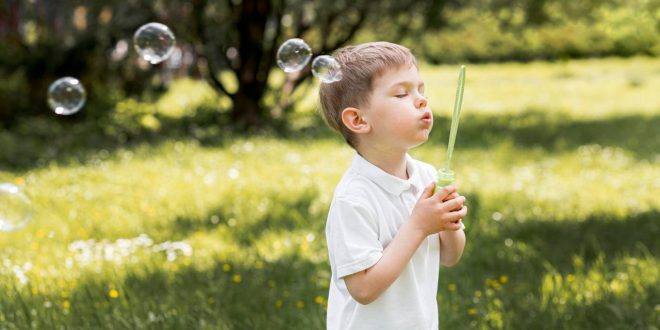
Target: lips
427 118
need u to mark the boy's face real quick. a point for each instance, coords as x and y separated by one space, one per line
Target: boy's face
398 111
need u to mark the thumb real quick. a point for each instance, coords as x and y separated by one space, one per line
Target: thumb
428 191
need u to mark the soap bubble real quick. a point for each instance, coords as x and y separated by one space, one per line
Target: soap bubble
15 208
293 55
66 96
154 42
327 69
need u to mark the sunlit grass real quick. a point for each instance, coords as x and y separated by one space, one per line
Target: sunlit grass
230 233
578 89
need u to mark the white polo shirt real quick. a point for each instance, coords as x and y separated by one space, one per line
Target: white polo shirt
368 207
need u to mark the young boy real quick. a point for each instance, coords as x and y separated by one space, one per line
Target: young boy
387 231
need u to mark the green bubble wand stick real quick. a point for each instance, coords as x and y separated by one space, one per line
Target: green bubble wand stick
445 175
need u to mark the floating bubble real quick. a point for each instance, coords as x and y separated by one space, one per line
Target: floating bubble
66 96
154 42
327 69
293 55
15 208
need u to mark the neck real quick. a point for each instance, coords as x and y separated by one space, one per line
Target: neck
392 162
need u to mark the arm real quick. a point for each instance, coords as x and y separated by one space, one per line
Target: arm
431 215
452 244
367 285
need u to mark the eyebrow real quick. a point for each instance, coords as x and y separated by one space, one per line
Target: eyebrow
406 83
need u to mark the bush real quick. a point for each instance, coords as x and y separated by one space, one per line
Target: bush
479 36
13 94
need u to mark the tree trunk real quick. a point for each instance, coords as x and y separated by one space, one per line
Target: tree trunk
247 111
254 68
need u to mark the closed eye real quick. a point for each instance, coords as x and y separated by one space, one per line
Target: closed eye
401 95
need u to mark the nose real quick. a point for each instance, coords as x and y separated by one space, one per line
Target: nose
421 102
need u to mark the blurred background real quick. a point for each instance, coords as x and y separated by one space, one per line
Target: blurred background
193 193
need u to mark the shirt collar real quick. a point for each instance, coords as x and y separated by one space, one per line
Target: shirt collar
386 181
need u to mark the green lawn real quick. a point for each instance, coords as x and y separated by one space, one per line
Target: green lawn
204 229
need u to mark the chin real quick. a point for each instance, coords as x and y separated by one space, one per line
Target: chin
419 143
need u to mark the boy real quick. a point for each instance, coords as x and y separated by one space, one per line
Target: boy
387 232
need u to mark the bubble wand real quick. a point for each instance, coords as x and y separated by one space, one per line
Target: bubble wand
445 175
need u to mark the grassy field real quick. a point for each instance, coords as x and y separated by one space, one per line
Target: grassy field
560 163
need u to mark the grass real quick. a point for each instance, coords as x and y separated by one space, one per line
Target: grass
214 231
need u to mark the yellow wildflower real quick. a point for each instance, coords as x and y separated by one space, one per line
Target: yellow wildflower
472 311
236 278
113 294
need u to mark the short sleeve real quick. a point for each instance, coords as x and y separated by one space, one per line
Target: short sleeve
352 234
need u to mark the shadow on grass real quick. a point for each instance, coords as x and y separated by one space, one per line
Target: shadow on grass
285 212
35 142
281 294
39 141
636 133
532 246
598 235
525 253
225 295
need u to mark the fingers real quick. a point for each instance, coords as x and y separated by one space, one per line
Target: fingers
428 191
453 204
445 192
451 196
457 215
454 226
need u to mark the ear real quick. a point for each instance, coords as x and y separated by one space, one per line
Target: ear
354 120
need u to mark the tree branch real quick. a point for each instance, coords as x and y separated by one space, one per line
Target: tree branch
326 47
301 27
271 51
362 14
198 14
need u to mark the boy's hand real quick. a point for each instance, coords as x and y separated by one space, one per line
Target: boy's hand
438 212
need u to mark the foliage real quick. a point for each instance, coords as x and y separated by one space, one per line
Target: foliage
477 36
92 41
232 44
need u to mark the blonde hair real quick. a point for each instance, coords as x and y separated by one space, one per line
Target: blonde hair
360 65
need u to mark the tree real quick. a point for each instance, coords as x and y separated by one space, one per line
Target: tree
251 31
238 38
44 40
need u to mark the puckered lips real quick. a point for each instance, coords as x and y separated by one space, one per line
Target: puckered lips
427 118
